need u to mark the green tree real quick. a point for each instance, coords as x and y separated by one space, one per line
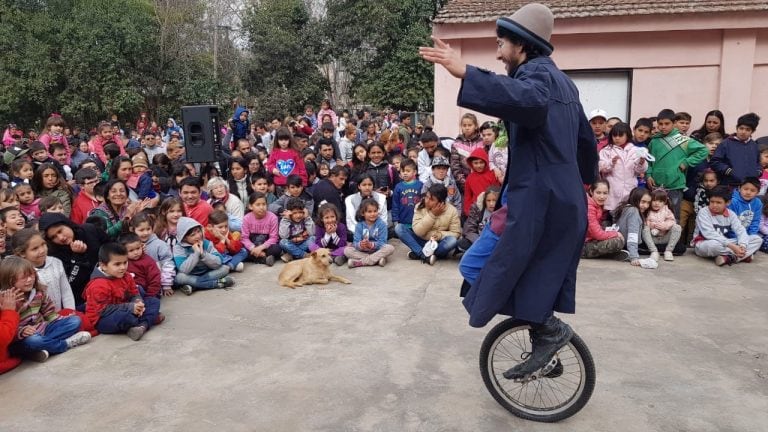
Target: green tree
281 75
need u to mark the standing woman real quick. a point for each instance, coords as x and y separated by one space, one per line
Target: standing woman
117 210
714 121
532 269
48 181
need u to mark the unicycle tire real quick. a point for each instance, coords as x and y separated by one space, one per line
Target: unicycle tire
548 399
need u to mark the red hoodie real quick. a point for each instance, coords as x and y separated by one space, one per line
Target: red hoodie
477 182
9 325
103 294
146 273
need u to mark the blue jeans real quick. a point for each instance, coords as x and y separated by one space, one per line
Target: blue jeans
122 318
415 243
297 250
237 258
53 338
209 280
477 255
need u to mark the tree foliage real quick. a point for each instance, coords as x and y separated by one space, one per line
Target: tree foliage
281 75
87 59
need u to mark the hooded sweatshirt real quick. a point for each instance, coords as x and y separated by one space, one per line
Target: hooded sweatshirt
174 128
477 182
186 258
463 148
449 183
748 212
9 324
146 273
106 294
77 266
240 128
734 160
159 251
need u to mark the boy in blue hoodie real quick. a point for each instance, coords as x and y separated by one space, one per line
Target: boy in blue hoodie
198 265
747 207
406 195
240 124
737 157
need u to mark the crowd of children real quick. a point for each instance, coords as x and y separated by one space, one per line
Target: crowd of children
96 228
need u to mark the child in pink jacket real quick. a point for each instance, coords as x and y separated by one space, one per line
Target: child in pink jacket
620 165
661 226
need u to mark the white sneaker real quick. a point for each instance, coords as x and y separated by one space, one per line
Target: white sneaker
77 339
239 267
655 256
668 256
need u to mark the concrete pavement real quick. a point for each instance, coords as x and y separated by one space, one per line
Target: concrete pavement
680 348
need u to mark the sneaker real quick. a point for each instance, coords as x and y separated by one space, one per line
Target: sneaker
747 259
269 260
382 262
239 267
621 255
547 341
286 257
723 260
355 263
432 259
186 289
226 282
655 256
413 255
77 339
39 356
668 256
340 260
137 332
160 318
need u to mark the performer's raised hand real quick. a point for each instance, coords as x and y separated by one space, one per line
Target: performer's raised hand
442 53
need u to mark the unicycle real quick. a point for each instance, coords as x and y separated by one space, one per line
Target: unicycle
555 392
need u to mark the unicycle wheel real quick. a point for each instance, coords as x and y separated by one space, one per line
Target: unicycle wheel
555 393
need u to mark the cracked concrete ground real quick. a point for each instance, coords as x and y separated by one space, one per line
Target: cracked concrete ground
681 348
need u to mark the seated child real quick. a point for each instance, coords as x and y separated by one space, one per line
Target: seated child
21 172
479 214
261 183
708 181
330 233
370 240
51 204
660 227
406 196
365 184
9 323
764 224
435 219
113 302
747 206
296 230
13 220
440 175
156 249
293 189
598 241
479 179
141 266
8 198
198 264
226 242
259 235
41 331
720 234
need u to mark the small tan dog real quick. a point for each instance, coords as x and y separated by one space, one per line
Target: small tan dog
312 270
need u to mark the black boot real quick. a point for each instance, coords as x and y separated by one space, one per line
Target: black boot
548 338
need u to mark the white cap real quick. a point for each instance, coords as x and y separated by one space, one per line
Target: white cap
598 113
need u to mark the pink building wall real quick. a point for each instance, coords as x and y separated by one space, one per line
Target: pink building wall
687 62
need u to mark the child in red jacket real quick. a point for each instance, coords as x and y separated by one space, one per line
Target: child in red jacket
9 322
227 243
112 300
141 266
479 179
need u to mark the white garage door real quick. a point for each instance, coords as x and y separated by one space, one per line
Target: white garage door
608 91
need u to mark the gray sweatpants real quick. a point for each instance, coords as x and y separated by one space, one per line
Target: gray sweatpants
713 248
670 238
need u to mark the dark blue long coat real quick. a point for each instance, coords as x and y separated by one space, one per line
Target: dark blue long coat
552 151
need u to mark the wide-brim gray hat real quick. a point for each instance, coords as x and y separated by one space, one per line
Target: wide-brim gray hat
532 23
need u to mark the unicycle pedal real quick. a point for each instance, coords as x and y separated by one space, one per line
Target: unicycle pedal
552 369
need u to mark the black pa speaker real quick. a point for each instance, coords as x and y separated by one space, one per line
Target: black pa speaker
201 133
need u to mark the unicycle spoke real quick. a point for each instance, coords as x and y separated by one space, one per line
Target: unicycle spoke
555 392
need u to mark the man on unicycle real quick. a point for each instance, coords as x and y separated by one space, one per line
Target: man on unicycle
533 248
